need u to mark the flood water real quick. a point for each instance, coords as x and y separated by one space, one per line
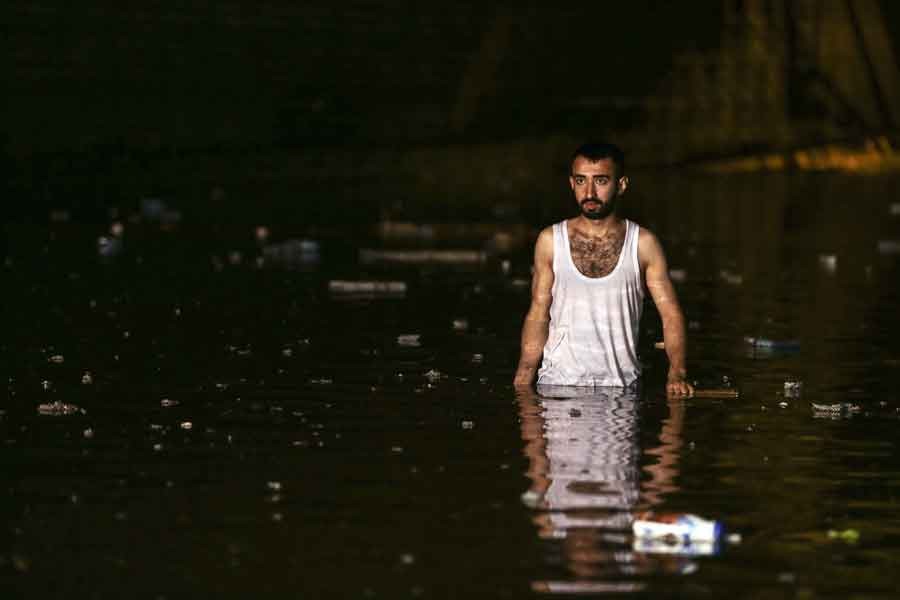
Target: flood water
245 428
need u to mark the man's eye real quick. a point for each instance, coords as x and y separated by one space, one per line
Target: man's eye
579 180
601 180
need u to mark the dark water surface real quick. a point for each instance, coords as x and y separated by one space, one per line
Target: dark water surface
240 430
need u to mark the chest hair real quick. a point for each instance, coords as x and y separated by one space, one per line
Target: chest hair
596 256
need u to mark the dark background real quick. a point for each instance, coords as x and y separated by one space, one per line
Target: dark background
249 108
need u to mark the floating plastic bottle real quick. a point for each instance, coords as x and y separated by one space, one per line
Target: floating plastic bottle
678 529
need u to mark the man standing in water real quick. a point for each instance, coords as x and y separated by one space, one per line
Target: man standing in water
587 290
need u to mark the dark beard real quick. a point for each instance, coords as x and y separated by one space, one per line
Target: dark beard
603 210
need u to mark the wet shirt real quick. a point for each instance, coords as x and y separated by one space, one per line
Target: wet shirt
594 321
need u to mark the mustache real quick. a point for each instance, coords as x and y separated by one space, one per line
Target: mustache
594 200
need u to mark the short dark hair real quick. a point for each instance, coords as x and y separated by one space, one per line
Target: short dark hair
597 151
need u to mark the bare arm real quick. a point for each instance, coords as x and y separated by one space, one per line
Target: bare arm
656 274
537 321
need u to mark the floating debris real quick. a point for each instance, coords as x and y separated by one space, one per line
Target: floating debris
58 408
108 247
828 262
793 388
368 256
381 289
186 425
888 247
275 486
468 424
772 345
433 375
894 209
678 275
166 403
410 340
293 252
460 324
851 536
836 409
88 433
730 277
87 378
57 359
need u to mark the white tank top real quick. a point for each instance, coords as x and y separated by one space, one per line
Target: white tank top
594 321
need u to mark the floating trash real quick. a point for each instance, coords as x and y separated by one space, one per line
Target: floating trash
166 403
422 257
57 359
837 409
88 433
678 275
433 375
772 345
380 289
108 247
894 209
460 324
186 425
731 277
676 533
888 247
55 409
851 536
275 486
468 424
409 340
478 357
828 262
293 252
87 378
116 229
793 388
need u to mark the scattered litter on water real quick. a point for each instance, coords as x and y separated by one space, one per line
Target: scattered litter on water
157 447
505 266
293 252
678 275
87 378
468 424
772 344
368 256
793 388
836 409
261 233
851 536
478 357
730 277
287 352
888 247
894 209
783 404
407 559
520 283
186 425
58 408
379 289
166 403
397 449
274 486
411 340
321 381
116 229
108 247
828 262
460 324
57 359
88 433
433 375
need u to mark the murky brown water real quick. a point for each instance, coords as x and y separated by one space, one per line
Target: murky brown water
245 431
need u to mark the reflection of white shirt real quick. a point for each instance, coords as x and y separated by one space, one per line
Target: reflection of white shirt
593 454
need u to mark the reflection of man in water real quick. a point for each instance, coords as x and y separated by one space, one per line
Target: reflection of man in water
584 464
587 290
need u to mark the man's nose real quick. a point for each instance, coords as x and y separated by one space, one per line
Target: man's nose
591 191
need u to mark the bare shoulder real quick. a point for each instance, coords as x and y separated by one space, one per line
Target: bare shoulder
650 249
543 247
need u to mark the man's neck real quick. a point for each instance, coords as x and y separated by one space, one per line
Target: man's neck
597 227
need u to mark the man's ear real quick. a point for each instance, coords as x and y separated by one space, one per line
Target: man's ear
623 184
572 183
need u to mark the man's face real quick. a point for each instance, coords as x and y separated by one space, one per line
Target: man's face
596 186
